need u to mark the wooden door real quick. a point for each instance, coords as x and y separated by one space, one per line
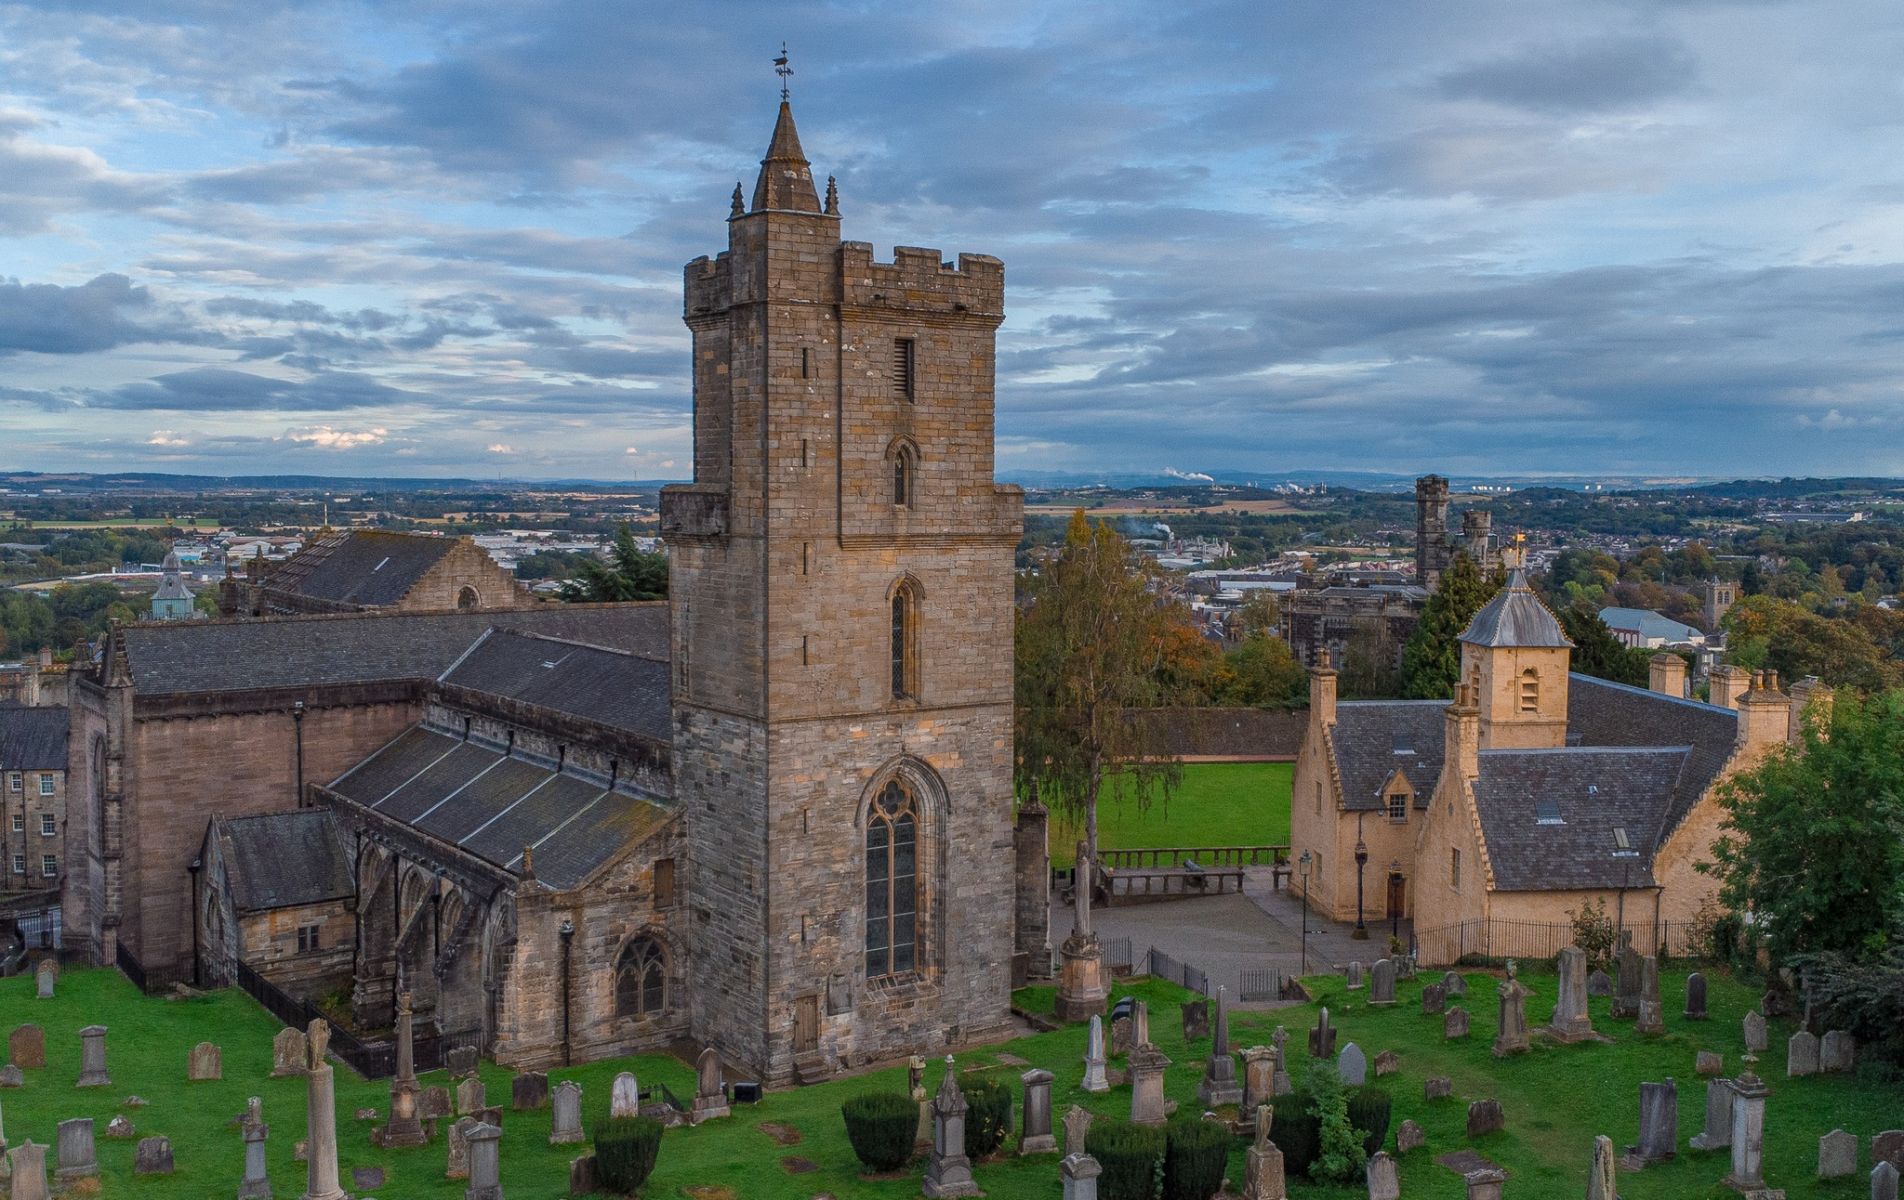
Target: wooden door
1397 894
806 1024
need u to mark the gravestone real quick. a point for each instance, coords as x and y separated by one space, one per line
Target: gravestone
1889 1147
1717 1134
1352 1066
1140 1024
1147 1065
1600 1175
1280 1042
1095 1079
1382 983
1708 1062
1440 1087
1837 1155
948 1170
26 1045
1801 1055
1599 983
456 1161
583 1178
1078 1173
77 1158
470 1096
1837 1051
1263 1162
1884 1182
710 1096
433 1103
366 1177
1652 1013
1485 1184
1383 1182
1571 1021
1626 995
1409 1137
1753 1026
1434 1000
44 976
1387 1063
256 1185
460 1061
1748 1134
320 1116
624 1096
1454 983
204 1064
1322 1037
1219 1084
1659 1122
120 1129
11 1076
1259 1079
1196 1019
1695 997
288 1054
1355 976
92 1057
152 1156
1035 1135
1511 1037
1120 1035
485 1163
528 1091
29 1171
566 1120
1077 1123
1455 1024
1484 1117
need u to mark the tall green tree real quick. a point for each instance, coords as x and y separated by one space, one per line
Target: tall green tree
1092 639
1598 653
1431 661
1813 841
1262 671
629 573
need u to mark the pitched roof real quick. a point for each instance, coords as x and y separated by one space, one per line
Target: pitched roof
1375 738
33 739
369 567
1603 713
192 657
282 860
1515 617
492 803
1648 624
1550 816
614 687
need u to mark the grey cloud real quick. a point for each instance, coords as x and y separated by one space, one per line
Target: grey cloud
219 389
1578 77
105 312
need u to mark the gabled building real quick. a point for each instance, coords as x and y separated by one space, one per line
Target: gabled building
371 570
278 894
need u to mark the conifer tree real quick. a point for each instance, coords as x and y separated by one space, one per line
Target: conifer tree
1431 662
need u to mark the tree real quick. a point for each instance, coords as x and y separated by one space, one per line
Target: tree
1368 662
1091 641
1259 613
1431 661
1263 672
1598 653
630 573
1813 842
1763 631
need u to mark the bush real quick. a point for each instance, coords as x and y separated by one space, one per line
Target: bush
882 1127
1296 1131
1339 1153
1130 1155
1369 1109
1195 1153
625 1152
988 1113
1593 932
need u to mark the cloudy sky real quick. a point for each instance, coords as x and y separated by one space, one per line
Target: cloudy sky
439 238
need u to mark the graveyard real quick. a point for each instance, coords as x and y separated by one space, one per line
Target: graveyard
1554 1099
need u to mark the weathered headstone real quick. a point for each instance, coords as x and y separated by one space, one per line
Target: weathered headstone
1485 1184
1652 1013
320 1116
1355 976
77 1157
1383 1182
1351 1066
1322 1037
1884 1182
11 1076
485 1163
1600 1175
1409 1136
1280 1042
29 1171
433 1103
1695 997
1599 983
1140 1024
1748 1134
584 1180
26 1045
205 1063
288 1053
1259 1079
1035 1136
1717 1134
566 1119
366 1177
1078 1174
1263 1162
470 1096
1837 1155
1571 1021
1484 1117
1708 1062
1801 1055
256 1184
1434 1000
1511 1036
1382 983
152 1156
1889 1147
1659 1122
1196 1019
948 1170
92 1057
1077 1123
1219 1084
1120 1035
460 1061
624 1096
1439 1087
120 1129
1626 996
44 977
1095 1079
1387 1063
1455 1024
1454 983
1753 1026
710 1094
456 1159
529 1091
1147 1065
1837 1051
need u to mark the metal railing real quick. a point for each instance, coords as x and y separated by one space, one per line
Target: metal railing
1117 955
372 1060
1203 856
1259 985
133 969
1494 940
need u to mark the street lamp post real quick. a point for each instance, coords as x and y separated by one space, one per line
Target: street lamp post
1361 861
1394 909
1302 869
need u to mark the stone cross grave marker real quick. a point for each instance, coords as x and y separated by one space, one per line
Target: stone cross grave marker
1279 1041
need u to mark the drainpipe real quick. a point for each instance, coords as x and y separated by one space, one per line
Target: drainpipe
297 722
196 865
568 936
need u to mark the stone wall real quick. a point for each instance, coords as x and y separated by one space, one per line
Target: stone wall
466 565
26 846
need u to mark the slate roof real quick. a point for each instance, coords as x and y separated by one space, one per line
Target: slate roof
610 686
33 739
283 860
369 567
1375 738
1593 791
1515 617
1602 713
491 804
1649 624
188 657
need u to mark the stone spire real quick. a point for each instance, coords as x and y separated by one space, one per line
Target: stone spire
786 182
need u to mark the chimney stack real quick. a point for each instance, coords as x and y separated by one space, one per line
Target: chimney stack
1666 674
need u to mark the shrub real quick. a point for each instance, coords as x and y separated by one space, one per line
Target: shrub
1593 932
1296 1131
1369 1109
882 1127
988 1114
1130 1155
625 1152
1195 1153
1339 1153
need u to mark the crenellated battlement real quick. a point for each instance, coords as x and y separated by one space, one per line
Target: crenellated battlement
707 285
920 278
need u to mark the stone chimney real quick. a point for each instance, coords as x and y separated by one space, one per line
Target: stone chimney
1728 685
1765 714
1811 697
1322 690
1666 674
1463 733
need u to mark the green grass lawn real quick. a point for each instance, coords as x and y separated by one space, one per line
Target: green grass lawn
1217 804
1556 1099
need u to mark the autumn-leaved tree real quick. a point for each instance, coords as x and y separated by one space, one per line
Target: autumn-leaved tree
1431 661
1092 641
630 573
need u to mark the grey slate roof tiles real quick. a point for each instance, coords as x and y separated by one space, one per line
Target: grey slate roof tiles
1596 791
614 687
282 860
1515 617
1367 735
367 567
33 739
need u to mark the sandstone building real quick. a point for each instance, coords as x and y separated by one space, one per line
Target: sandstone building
33 788
366 570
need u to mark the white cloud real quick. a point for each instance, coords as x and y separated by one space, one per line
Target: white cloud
325 438
165 437
501 448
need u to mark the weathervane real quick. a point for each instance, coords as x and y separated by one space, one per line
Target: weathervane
783 70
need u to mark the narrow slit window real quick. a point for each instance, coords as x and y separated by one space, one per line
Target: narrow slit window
904 367
905 643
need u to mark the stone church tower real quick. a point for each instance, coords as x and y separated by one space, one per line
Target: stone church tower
842 642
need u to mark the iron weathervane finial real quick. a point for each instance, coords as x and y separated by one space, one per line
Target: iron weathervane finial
783 70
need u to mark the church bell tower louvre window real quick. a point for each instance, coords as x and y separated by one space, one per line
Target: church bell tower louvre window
1530 690
892 883
905 368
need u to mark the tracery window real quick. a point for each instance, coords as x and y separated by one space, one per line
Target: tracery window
892 883
641 979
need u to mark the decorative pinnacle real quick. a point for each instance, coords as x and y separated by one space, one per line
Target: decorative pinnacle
783 70
832 197
737 207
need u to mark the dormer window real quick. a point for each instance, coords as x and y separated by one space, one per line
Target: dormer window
1398 807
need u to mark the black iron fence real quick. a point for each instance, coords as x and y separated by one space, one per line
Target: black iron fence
1259 985
1494 940
1117 955
1163 966
372 1060
133 969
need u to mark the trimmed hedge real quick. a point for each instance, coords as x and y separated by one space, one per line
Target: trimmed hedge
1297 1132
882 1127
1131 1157
625 1152
988 1114
1369 1109
1195 1153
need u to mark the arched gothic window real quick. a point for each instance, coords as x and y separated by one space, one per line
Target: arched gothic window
903 460
905 642
1530 690
468 599
892 883
641 979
